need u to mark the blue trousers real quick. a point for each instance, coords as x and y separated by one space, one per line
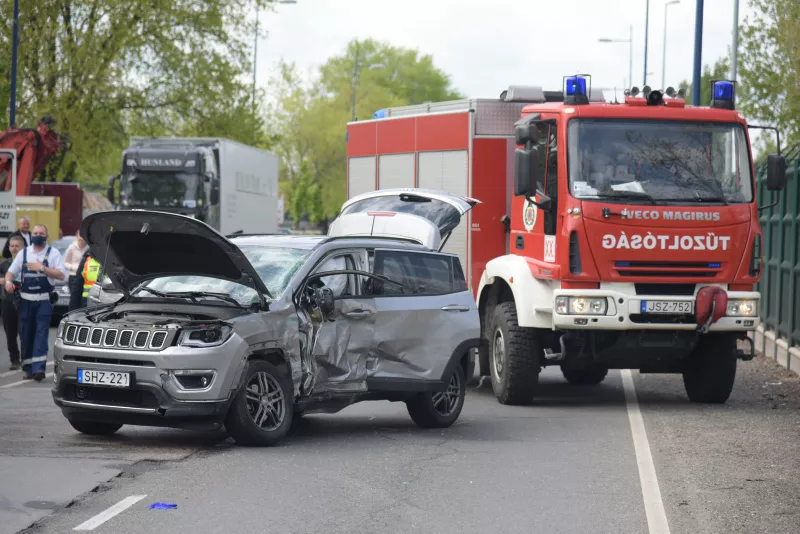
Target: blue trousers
34 318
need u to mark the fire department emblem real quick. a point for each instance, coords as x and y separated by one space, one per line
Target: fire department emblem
529 215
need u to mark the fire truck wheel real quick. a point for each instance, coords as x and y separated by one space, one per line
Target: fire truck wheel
710 370
513 357
588 376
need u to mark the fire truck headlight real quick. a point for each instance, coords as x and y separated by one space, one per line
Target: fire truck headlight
581 306
742 308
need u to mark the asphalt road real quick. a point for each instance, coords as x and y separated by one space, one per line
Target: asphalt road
567 464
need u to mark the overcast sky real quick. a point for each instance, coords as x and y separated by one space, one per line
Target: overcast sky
487 45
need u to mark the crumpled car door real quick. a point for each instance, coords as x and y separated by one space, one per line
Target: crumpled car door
420 327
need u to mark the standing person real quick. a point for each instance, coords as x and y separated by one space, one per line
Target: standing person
9 308
89 272
39 266
23 230
72 261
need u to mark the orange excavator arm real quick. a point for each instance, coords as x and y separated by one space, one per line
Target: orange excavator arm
34 149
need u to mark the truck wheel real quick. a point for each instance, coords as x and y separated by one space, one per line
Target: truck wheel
587 376
262 410
93 428
710 370
513 357
440 409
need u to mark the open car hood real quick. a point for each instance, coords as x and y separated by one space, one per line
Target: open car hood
443 210
137 245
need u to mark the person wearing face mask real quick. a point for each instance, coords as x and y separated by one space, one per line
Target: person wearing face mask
24 231
38 266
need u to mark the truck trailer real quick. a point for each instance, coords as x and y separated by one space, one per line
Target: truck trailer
228 185
611 234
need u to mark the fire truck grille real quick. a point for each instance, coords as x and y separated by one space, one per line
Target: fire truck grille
668 269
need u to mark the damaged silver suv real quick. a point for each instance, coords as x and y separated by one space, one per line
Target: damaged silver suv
249 331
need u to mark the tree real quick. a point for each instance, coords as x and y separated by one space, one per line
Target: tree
770 70
309 119
720 71
107 69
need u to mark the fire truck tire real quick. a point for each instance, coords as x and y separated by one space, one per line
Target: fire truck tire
513 357
589 376
710 370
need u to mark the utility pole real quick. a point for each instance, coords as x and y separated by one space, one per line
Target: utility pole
698 53
14 51
355 84
735 46
646 34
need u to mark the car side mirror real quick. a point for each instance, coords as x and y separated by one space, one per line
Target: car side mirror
776 172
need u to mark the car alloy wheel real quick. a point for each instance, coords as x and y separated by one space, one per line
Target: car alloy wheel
445 402
498 354
266 404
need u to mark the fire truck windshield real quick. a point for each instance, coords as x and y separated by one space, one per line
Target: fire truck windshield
658 161
165 189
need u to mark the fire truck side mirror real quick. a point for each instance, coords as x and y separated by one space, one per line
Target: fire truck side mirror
776 172
525 167
213 196
110 191
525 133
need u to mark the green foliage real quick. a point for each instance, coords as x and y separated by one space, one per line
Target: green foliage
309 119
108 69
720 71
770 71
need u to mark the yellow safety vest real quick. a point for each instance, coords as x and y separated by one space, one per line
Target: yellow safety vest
91 270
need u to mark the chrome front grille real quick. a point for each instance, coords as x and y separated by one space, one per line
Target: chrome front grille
114 338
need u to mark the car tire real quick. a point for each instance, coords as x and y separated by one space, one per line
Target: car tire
94 428
440 409
262 380
710 370
513 357
587 376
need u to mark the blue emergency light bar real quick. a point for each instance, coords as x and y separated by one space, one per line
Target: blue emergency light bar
723 94
575 90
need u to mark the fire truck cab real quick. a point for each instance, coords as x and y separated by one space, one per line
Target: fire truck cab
611 235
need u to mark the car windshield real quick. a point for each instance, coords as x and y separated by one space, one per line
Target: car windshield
655 161
275 266
167 189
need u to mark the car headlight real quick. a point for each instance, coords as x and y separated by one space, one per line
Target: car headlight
581 306
61 325
205 336
742 308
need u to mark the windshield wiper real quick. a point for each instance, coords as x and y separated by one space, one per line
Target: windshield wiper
627 195
193 295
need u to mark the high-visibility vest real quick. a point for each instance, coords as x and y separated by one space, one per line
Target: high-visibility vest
91 270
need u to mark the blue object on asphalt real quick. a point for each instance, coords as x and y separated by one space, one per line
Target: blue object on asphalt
162 506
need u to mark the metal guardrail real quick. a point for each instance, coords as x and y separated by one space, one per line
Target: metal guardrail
780 282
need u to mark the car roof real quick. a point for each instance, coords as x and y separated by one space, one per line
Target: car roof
310 242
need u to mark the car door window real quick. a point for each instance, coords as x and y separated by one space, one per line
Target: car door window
418 273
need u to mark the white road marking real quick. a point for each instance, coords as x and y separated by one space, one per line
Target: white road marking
9 373
31 381
107 514
653 505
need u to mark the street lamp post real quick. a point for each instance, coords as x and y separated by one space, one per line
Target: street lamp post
735 45
14 47
698 53
664 53
255 47
630 59
646 37
357 66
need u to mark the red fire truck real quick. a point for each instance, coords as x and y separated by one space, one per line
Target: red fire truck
610 234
